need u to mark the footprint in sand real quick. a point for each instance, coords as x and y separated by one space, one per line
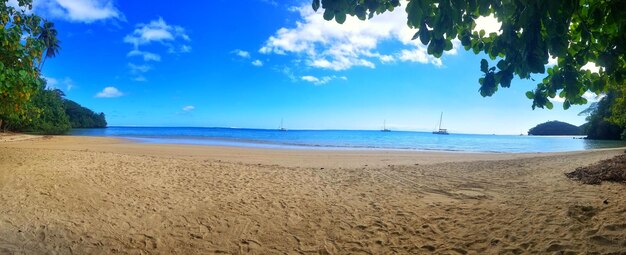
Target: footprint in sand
582 213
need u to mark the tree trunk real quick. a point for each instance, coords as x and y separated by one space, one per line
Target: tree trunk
1 130
42 62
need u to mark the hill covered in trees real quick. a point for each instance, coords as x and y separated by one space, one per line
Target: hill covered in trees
555 128
81 117
51 113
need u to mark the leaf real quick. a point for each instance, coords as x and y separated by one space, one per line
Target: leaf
465 41
501 65
566 104
549 105
530 95
315 5
484 66
359 11
424 34
340 17
416 35
328 14
414 12
448 45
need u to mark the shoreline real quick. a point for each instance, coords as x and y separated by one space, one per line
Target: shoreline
92 195
284 156
352 140
260 144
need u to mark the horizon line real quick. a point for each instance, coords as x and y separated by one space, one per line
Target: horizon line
311 129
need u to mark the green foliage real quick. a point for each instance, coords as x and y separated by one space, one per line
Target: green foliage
20 51
47 114
555 128
575 32
81 117
49 37
51 114
599 124
618 108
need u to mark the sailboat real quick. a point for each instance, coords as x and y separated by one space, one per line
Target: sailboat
441 131
385 127
281 128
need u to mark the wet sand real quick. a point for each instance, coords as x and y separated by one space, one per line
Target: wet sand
87 195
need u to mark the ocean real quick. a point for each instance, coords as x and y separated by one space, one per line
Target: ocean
348 139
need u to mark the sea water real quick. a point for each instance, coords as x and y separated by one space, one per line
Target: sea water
349 139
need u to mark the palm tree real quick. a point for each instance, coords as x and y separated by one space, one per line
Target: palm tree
49 37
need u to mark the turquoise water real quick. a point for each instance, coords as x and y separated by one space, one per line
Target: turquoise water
348 139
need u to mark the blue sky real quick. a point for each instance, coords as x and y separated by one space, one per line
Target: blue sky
214 63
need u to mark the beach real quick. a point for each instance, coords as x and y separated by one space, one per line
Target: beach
94 195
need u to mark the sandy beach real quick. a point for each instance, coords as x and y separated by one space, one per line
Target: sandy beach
90 195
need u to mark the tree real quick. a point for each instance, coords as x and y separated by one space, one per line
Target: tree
47 114
576 32
20 51
81 117
49 37
618 110
599 116
555 128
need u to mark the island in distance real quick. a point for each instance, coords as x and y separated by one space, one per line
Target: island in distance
555 128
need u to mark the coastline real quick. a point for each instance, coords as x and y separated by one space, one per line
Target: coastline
349 140
67 194
302 157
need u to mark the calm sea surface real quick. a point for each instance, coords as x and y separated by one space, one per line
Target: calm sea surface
348 139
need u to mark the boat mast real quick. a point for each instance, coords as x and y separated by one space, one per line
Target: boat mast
281 123
440 118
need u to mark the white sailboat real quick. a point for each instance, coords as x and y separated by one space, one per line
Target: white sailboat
281 128
385 127
441 131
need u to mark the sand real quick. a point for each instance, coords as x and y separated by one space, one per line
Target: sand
80 195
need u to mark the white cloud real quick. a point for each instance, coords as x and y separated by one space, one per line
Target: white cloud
161 32
288 72
140 78
257 63
86 11
419 55
323 80
270 2
456 44
386 58
328 45
489 23
189 108
53 83
147 56
138 70
590 96
156 31
241 53
557 99
185 49
109 92
591 67
552 61
69 83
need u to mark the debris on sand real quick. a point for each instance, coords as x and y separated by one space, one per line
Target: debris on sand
611 170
